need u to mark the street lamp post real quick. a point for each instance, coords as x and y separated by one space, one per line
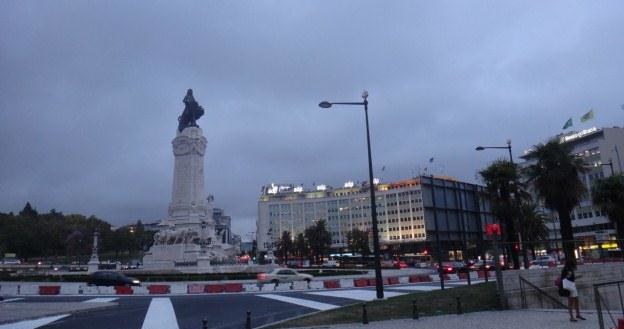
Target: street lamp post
378 278
508 147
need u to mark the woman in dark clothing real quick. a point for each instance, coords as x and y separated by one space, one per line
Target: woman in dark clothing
567 280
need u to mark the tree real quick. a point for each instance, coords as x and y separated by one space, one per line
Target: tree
534 229
319 240
501 179
301 246
357 242
555 176
285 245
608 194
28 211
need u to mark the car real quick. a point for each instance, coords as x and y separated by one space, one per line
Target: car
480 265
11 261
279 275
453 267
330 263
543 262
399 264
111 278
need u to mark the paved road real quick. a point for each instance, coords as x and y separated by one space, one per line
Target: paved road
223 311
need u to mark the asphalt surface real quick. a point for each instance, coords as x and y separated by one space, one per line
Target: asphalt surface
222 311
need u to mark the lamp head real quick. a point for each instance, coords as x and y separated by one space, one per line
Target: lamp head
364 94
508 142
480 148
325 104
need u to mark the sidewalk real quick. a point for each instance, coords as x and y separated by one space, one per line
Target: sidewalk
18 311
517 319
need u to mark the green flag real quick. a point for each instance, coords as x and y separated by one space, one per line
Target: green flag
568 124
588 116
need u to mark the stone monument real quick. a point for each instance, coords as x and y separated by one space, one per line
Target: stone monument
94 263
187 240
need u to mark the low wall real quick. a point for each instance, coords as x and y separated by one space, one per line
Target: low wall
586 277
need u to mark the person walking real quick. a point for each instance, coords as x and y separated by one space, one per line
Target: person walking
567 280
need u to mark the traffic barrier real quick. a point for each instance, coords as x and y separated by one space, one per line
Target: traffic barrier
49 290
372 282
268 287
360 282
451 277
414 278
178 288
90 290
316 285
403 279
434 277
473 275
107 290
283 286
346 283
214 288
331 284
140 290
195 288
250 287
393 280
301 285
158 289
463 276
71 289
386 281
123 290
8 289
424 278
621 323
28 289
233 287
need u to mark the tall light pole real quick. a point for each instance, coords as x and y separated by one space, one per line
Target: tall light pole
508 147
378 278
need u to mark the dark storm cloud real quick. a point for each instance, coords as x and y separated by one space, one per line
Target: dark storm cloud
90 93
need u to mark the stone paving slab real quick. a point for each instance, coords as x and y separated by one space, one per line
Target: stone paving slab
17 311
517 319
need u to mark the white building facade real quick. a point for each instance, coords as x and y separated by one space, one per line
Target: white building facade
600 150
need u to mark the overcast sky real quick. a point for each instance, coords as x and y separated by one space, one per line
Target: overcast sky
90 93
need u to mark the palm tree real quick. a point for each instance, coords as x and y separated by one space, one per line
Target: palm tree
501 179
285 245
534 228
301 246
555 176
608 194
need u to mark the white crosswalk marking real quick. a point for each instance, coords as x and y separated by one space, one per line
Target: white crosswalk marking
357 294
32 324
160 315
100 300
301 302
10 300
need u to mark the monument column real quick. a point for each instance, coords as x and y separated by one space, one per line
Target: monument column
188 200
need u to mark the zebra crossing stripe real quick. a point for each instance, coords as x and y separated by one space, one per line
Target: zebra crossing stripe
10 300
301 302
160 314
32 324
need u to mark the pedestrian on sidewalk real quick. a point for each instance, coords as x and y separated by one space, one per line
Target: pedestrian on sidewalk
567 280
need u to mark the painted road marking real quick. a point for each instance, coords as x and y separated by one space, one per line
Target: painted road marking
160 315
301 302
32 324
365 295
11 300
100 300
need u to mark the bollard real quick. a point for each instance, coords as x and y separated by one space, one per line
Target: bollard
414 310
205 323
459 307
248 321
486 274
364 314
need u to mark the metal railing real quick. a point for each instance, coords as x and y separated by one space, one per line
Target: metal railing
601 301
541 294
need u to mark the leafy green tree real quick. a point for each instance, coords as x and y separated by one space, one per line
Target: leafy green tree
501 179
555 176
319 240
608 194
301 246
357 242
285 245
28 211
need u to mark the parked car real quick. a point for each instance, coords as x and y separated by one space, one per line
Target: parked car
543 262
112 278
279 275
